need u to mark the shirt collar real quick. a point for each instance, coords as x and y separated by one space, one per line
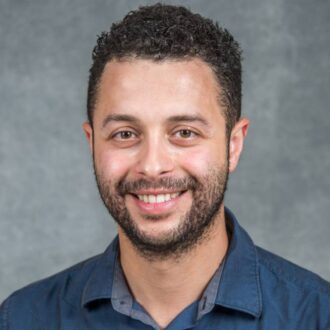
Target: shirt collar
239 286
99 284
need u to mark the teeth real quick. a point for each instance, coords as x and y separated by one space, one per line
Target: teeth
157 198
160 198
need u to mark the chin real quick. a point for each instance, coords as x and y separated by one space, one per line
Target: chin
159 228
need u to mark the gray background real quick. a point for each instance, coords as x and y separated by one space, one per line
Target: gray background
50 212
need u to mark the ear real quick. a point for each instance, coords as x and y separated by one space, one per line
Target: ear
236 142
89 134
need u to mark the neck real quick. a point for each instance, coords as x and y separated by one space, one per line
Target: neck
165 287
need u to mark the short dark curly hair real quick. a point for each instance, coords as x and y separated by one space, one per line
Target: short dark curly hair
159 32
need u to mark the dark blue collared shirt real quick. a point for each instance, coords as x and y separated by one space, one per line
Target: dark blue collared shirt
252 289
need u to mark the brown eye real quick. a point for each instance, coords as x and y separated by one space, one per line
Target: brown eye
185 137
125 138
186 133
124 135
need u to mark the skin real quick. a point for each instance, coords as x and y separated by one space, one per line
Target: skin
156 147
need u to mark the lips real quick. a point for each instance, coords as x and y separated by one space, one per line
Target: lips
157 203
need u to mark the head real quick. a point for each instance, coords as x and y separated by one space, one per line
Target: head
163 32
164 126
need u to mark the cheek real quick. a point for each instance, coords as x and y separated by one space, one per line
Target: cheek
113 164
198 161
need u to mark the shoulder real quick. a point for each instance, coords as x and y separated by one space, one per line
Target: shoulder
292 291
22 306
284 271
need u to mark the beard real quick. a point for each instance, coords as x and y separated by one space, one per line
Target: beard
194 226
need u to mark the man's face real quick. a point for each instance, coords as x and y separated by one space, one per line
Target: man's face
160 152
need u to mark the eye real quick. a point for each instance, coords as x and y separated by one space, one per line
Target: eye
185 134
124 138
185 137
124 135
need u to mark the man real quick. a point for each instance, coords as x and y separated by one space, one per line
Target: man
165 130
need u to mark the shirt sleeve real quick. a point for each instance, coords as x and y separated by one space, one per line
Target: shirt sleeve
16 314
4 315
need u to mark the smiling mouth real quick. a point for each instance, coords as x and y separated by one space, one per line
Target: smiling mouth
157 198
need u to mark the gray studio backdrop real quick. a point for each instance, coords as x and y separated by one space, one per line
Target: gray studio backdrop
50 212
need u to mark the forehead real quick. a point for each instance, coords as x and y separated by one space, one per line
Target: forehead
140 86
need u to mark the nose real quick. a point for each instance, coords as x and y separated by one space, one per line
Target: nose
154 159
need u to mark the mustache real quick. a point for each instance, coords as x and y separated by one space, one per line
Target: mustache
132 187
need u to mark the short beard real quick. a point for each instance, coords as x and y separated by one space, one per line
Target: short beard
207 195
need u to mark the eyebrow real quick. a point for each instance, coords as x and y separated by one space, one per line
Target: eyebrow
172 119
188 118
119 117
